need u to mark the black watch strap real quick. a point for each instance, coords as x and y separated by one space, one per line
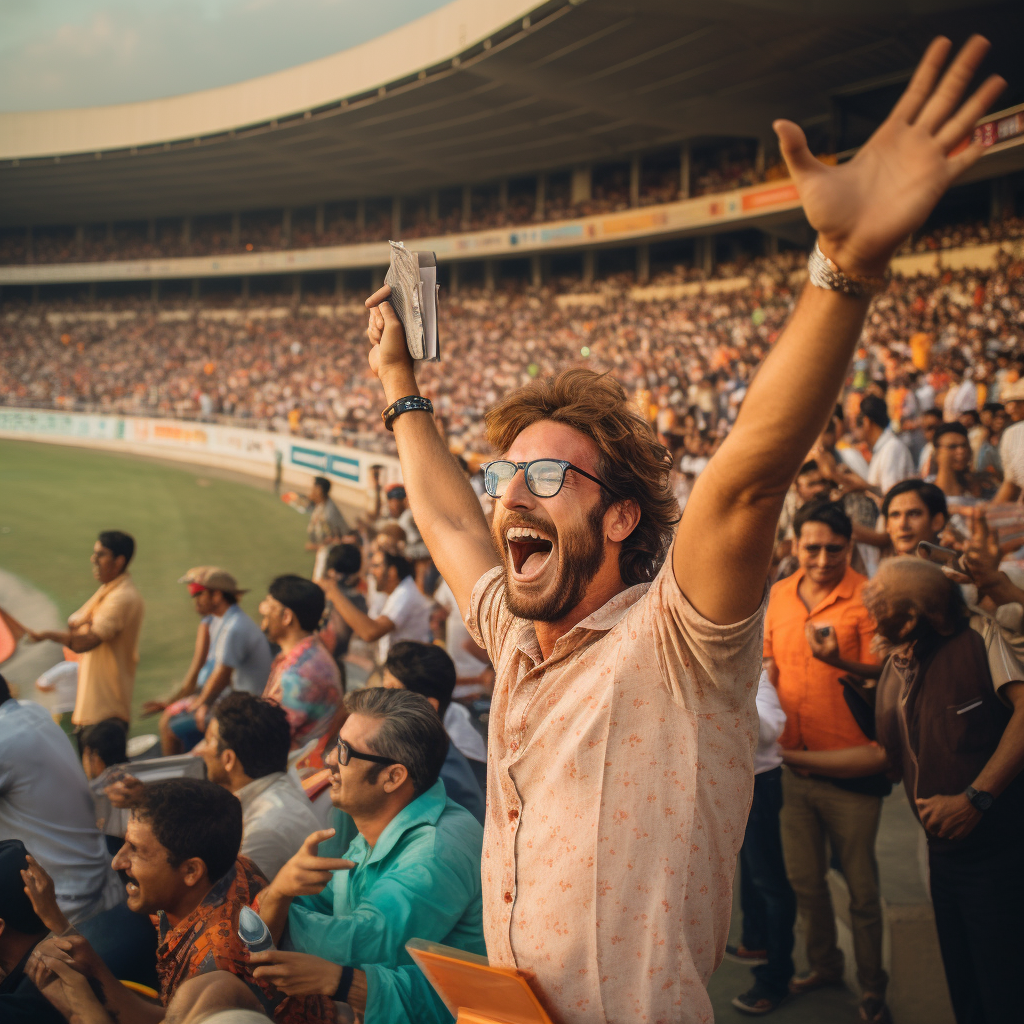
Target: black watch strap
980 800
341 993
413 403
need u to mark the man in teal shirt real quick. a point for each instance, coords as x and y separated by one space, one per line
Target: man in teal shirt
413 871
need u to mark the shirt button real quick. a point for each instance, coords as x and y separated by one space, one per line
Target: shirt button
513 814
508 897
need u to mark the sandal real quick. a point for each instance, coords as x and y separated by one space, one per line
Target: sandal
874 1010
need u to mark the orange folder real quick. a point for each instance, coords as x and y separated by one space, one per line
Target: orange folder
475 992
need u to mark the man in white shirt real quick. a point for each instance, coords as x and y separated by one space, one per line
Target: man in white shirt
766 897
891 461
400 612
246 751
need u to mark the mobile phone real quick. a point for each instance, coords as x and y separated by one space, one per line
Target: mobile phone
938 554
822 632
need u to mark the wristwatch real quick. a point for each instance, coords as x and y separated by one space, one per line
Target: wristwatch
980 800
823 273
412 403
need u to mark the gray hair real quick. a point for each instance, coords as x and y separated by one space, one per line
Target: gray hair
411 732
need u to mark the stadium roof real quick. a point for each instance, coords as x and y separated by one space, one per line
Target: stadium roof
482 89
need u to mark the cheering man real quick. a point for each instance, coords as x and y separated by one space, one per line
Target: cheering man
622 729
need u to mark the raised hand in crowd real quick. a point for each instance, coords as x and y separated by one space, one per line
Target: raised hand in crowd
305 874
125 791
40 890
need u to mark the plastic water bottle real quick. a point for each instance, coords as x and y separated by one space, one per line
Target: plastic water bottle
253 931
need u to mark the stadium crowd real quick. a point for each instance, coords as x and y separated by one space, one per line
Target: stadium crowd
855 578
685 357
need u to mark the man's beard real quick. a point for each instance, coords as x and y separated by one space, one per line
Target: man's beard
580 555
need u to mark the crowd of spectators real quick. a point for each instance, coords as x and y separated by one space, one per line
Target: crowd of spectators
686 357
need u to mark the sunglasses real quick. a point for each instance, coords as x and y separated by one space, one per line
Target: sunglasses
346 753
829 549
544 477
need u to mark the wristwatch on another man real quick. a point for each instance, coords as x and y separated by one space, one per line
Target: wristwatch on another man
980 800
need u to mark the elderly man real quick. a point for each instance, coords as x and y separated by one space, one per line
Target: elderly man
415 864
625 678
105 631
954 732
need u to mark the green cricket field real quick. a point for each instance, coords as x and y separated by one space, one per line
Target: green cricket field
54 500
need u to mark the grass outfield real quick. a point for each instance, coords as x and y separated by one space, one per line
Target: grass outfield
54 500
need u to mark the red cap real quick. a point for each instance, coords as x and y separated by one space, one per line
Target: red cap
195 588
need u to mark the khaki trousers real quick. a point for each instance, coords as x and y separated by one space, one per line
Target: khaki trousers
814 811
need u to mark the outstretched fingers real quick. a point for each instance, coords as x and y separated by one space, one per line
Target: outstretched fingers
923 80
946 96
960 126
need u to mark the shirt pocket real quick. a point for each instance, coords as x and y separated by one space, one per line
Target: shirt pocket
969 725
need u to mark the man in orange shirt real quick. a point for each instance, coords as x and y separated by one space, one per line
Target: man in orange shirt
822 600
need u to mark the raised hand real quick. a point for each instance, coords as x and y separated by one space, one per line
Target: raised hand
297 974
40 891
306 874
865 208
388 351
125 792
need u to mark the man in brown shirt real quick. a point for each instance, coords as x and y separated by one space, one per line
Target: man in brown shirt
105 632
955 734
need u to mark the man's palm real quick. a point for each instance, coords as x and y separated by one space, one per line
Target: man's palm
865 208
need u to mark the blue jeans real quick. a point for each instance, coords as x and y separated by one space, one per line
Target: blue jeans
766 899
184 727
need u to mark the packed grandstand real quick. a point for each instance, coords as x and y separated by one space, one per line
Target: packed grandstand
603 191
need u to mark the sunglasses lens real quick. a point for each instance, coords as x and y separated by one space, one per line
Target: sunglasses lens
497 476
544 478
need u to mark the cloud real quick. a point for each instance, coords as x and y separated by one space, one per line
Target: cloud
80 53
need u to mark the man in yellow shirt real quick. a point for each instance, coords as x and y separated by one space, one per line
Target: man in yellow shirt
105 632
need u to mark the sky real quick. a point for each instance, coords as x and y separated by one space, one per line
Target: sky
83 53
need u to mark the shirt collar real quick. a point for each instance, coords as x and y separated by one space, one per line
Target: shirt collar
842 591
253 789
600 621
424 810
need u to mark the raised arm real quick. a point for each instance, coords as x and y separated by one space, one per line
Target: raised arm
444 505
862 211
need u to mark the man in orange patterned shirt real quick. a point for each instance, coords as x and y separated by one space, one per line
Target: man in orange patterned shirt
620 762
180 857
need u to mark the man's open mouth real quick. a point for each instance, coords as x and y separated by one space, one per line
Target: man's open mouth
131 886
528 550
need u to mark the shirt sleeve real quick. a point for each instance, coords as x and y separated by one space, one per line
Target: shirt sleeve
396 607
110 617
234 647
420 896
707 666
491 625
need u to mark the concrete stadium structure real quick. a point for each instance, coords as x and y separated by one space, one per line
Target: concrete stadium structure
474 96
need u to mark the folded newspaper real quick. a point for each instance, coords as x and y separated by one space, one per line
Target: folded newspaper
413 280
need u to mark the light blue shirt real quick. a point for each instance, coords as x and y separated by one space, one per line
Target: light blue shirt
420 881
45 802
241 645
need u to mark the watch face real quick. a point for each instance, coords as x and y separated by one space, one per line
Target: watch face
980 799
